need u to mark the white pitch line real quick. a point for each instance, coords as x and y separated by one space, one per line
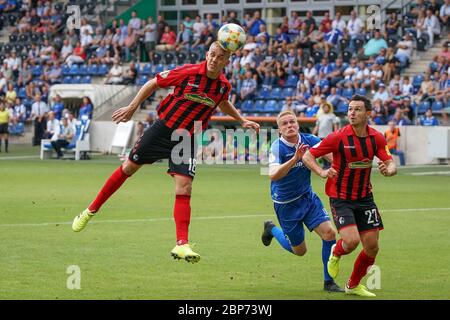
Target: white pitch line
198 218
19 157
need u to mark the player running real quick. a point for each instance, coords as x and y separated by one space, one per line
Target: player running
294 201
199 89
355 213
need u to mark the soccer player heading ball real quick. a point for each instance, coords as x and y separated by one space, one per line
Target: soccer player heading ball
199 89
355 213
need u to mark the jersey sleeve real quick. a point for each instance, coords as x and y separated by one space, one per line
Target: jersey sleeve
226 95
382 149
170 78
327 145
274 156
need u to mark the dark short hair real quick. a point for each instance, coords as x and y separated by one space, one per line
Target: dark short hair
367 103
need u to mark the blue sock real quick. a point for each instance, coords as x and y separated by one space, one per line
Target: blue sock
326 250
281 238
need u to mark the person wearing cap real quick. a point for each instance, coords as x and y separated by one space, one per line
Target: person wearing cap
381 93
404 50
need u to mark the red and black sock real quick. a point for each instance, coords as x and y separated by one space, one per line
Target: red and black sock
112 184
339 249
182 216
362 263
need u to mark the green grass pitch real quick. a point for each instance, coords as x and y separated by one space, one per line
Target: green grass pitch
124 253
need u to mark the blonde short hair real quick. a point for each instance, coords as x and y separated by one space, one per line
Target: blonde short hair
285 113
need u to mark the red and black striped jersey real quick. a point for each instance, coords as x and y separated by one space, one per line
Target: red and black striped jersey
195 96
352 159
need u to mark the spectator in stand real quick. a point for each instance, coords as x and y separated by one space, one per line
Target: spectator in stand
210 22
428 119
115 74
326 22
255 24
198 28
376 76
130 75
404 50
326 123
379 112
19 113
392 25
427 89
444 13
310 22
86 108
168 40
381 94
400 118
248 88
431 26
135 22
79 55
294 23
339 23
66 49
129 44
11 94
355 28
374 45
150 36
281 39
161 28
183 38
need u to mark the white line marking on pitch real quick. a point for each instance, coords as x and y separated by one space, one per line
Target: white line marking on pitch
197 218
430 173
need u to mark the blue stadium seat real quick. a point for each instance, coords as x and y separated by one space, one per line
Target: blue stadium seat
92 70
437 106
67 80
142 80
248 106
424 106
288 92
417 80
259 105
361 91
276 93
147 69
347 93
323 83
37 71
159 68
264 93
22 93
342 107
291 81
172 66
83 70
77 79
86 79
74 70
271 106
102 70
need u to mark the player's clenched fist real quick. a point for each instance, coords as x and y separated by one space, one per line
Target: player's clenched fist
329 173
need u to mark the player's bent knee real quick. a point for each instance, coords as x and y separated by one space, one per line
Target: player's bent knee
183 186
351 244
329 235
129 168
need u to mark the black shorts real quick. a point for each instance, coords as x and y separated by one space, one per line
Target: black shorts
4 128
363 213
156 144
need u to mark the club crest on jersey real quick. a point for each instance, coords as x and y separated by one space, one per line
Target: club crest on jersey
200 98
164 74
363 164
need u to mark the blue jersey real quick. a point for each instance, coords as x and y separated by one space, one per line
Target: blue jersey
298 180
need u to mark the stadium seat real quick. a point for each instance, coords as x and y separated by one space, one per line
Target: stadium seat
437 106
323 83
74 70
347 93
159 68
12 38
417 81
193 57
421 44
92 70
142 80
22 93
248 106
37 71
287 92
332 56
358 44
67 80
259 105
102 70
271 106
291 81
171 66
181 58
342 107
169 58
317 56
35 38
423 106
392 42
343 43
83 70
86 79
276 93
361 91
156 58
147 69
77 79
263 93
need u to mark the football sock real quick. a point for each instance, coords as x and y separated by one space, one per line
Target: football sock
182 217
6 145
339 249
112 184
281 238
363 261
326 250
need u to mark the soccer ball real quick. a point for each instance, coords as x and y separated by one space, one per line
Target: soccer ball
231 37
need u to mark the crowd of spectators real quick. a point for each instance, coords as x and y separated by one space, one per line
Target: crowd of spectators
304 64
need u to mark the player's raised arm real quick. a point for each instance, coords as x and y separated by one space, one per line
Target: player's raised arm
279 171
230 110
310 161
124 114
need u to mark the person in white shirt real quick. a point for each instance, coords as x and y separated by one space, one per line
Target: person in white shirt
444 13
66 49
135 21
407 88
310 73
376 75
351 70
86 26
86 38
198 27
115 74
404 50
381 94
247 57
52 125
338 23
354 26
150 35
432 27
39 111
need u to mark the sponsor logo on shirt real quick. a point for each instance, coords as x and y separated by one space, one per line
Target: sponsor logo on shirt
200 98
164 74
363 164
